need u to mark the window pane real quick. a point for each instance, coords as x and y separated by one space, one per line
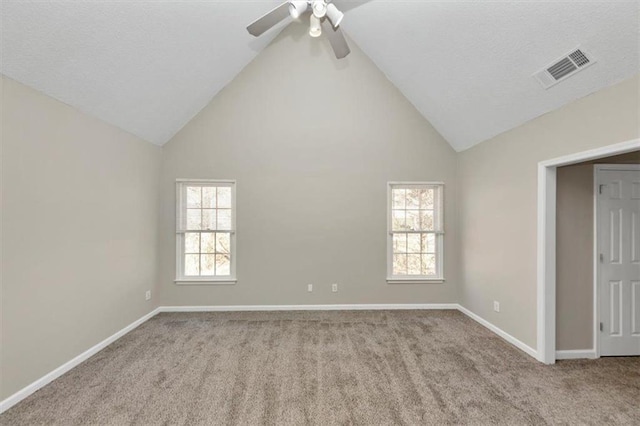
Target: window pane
399 243
426 199
413 214
398 220
428 243
208 262
414 266
413 243
208 243
223 264
205 209
224 219
224 197
209 197
223 242
399 264
194 219
191 264
428 264
194 194
426 220
399 196
192 242
413 220
413 198
208 219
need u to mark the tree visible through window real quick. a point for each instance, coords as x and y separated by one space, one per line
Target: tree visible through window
205 230
415 231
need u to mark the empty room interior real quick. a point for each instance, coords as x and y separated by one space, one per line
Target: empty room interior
360 212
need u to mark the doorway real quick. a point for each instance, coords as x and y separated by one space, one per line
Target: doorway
546 258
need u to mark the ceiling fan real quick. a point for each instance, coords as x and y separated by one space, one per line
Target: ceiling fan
325 17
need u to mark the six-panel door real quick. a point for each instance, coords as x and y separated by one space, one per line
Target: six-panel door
619 269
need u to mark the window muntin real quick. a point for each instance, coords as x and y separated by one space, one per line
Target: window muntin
205 231
415 231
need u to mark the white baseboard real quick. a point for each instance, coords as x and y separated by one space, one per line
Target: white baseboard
576 354
48 378
506 336
354 307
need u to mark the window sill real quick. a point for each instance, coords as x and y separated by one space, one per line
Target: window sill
196 281
415 280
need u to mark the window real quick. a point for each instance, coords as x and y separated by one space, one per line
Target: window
416 234
205 231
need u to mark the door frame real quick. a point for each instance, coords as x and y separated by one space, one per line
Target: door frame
597 168
546 251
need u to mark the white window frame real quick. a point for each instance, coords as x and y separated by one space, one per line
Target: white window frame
439 225
181 279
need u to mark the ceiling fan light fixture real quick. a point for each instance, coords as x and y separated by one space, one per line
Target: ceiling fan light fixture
334 15
319 8
297 8
315 30
323 14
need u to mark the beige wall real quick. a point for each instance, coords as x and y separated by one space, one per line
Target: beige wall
574 267
79 227
312 143
497 204
574 256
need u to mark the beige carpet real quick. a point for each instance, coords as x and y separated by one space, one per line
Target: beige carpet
324 368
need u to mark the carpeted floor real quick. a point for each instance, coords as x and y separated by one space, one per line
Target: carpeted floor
324 368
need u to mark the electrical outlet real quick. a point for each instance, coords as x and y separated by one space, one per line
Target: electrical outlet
147 295
334 288
496 306
309 288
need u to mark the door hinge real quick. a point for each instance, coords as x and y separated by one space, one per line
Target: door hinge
601 327
601 257
600 188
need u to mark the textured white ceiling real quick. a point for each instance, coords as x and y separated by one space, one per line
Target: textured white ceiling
149 66
146 66
467 66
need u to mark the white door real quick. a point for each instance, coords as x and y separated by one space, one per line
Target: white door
618 245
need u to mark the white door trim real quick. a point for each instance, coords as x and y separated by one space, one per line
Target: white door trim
596 250
546 281
628 167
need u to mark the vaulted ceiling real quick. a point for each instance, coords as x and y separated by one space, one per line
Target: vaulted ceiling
149 66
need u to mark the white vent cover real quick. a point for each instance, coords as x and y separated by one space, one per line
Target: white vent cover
565 67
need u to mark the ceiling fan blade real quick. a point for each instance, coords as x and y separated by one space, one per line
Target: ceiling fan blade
261 25
336 39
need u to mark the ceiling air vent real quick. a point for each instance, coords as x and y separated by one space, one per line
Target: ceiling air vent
564 67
